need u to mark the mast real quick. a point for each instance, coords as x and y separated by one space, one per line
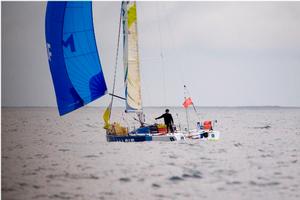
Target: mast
132 78
186 110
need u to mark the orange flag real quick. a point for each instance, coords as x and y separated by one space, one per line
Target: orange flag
187 102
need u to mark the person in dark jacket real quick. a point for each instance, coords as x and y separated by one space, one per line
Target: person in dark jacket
168 120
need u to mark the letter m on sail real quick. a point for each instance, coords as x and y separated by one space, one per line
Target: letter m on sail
69 42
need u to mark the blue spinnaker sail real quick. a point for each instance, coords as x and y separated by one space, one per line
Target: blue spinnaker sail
72 54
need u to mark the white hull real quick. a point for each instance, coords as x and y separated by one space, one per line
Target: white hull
169 137
146 137
203 135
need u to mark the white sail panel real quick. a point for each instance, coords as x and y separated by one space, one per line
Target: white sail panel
131 58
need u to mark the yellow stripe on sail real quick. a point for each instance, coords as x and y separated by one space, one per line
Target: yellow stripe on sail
106 117
131 15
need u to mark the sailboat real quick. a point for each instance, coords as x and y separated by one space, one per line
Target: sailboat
204 130
77 72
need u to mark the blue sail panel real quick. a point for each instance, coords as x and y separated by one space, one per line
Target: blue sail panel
73 56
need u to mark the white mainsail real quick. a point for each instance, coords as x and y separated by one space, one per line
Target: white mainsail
132 77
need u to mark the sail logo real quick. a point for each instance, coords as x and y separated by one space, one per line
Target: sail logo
48 51
69 42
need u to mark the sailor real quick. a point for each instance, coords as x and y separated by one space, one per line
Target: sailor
168 120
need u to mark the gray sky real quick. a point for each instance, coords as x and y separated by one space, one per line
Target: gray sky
227 53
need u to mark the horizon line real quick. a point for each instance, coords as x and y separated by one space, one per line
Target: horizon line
265 106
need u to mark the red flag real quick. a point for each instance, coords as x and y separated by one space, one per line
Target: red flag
187 102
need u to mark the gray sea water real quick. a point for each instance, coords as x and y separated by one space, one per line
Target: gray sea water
45 156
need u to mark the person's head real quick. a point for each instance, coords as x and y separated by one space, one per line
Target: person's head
167 110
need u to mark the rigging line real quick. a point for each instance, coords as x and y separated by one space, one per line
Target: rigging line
117 96
116 63
161 55
171 35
